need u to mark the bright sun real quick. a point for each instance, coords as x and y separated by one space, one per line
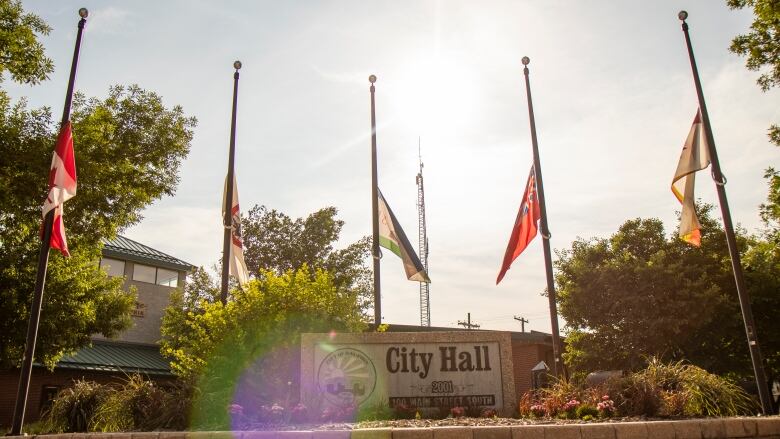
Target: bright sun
436 94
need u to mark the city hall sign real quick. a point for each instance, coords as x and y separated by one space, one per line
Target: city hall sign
421 370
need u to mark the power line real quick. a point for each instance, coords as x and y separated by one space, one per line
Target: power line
467 324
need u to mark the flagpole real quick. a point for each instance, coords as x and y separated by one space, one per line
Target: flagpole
43 261
375 212
736 264
227 215
557 363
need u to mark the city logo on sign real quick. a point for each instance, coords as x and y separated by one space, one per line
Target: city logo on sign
346 377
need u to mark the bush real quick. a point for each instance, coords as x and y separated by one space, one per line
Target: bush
73 410
665 390
133 405
587 410
677 389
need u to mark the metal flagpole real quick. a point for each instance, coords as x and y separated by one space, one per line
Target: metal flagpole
375 212
558 363
736 264
227 216
43 261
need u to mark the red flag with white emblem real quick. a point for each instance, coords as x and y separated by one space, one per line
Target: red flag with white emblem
526 225
62 186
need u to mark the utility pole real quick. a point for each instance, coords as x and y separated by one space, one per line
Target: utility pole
467 324
522 321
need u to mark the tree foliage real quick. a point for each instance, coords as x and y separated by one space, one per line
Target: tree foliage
762 45
640 293
259 330
21 54
129 148
275 242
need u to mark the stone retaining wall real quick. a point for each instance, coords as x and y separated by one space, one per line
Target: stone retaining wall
764 428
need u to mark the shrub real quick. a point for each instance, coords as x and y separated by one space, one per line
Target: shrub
136 404
667 390
676 389
586 410
73 410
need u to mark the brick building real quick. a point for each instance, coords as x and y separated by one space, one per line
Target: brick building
154 275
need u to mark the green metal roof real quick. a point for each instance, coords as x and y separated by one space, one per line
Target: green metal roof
106 356
125 248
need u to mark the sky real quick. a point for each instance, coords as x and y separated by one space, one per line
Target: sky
612 89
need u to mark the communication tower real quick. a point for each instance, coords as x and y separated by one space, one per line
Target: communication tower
425 309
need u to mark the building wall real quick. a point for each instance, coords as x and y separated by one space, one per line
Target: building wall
524 357
152 299
41 378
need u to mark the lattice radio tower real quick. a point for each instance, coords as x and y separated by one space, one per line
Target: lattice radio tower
425 309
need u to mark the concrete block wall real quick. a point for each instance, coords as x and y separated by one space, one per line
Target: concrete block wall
716 428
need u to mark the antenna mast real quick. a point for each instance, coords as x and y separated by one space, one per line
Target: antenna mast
425 310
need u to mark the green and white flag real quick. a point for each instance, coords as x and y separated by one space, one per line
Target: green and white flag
393 238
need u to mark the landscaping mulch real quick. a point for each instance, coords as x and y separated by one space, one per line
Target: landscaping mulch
446 422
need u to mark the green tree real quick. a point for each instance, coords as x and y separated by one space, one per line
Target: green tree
21 54
761 46
275 242
129 148
640 293
259 331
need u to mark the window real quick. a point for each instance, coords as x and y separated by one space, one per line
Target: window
154 275
169 278
144 273
114 267
48 394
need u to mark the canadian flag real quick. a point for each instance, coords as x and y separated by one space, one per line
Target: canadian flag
62 186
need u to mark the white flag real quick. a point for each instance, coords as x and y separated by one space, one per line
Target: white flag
695 156
237 264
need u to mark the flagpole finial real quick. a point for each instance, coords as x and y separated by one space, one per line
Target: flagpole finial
372 79
83 13
526 60
237 65
682 15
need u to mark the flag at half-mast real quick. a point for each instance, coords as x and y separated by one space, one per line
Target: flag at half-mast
526 225
62 186
695 156
237 264
393 238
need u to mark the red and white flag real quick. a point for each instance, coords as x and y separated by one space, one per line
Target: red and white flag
695 156
62 186
526 225
237 263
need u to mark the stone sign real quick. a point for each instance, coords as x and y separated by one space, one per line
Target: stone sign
421 370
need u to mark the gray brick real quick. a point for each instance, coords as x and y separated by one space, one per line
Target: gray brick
492 432
452 433
740 427
562 432
528 432
661 430
632 430
713 428
372 433
330 434
768 426
412 433
597 431
687 429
